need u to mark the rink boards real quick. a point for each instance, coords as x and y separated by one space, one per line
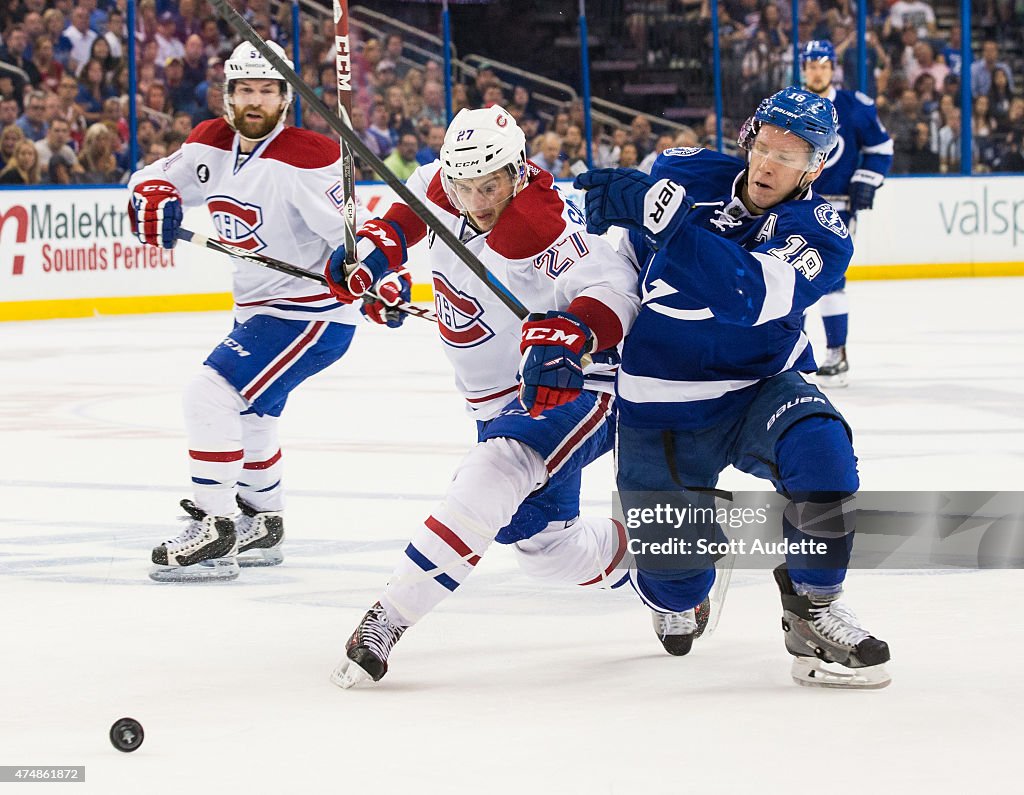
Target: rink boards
69 252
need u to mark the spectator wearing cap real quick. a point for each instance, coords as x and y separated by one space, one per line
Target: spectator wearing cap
181 95
384 76
379 127
167 42
79 37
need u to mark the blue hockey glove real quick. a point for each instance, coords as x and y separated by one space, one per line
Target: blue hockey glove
387 253
154 213
393 289
550 372
863 185
634 200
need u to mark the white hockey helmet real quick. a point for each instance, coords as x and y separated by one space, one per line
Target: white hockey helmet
480 142
246 63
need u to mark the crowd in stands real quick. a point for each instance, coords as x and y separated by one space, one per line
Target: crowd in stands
913 71
64 105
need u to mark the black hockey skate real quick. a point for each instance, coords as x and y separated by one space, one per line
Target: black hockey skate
367 650
260 535
678 631
205 550
820 632
833 371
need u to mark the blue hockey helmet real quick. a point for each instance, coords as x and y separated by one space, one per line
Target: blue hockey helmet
819 50
801 112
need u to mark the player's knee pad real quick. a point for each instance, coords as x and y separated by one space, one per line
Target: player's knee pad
491 483
816 455
837 303
209 398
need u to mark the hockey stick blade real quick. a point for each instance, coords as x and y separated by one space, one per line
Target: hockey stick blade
243 29
284 267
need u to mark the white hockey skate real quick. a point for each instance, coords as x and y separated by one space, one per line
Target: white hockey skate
260 535
205 550
367 650
830 647
678 631
833 371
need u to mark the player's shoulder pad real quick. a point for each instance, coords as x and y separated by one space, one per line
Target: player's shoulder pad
302 149
813 218
703 172
533 220
212 132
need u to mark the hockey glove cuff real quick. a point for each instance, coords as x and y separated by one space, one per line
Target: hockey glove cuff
154 212
863 185
634 200
381 249
550 372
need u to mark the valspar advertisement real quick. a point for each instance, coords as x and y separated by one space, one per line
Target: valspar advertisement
67 252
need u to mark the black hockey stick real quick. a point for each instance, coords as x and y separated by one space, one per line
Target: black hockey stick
333 121
284 267
343 72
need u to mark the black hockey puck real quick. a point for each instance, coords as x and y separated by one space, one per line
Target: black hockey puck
126 734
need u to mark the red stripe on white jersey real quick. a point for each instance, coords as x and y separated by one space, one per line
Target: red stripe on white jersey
301 299
264 464
620 553
449 537
284 360
486 398
583 430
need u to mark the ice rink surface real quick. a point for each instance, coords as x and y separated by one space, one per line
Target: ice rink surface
511 686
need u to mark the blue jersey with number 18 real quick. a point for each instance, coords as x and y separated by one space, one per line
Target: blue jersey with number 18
723 301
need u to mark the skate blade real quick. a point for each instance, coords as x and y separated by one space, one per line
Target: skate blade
218 569
812 672
723 574
260 557
348 674
832 381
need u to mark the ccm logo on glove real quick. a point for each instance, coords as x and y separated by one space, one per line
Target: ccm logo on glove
551 336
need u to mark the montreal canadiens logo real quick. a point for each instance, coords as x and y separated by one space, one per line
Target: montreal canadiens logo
458 316
236 223
828 217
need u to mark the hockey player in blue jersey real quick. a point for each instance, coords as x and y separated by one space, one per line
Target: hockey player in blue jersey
730 255
854 170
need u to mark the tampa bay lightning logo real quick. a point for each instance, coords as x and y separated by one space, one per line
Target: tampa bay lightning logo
828 217
682 151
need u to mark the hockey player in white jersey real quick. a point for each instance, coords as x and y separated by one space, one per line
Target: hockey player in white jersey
271 189
731 255
854 170
541 414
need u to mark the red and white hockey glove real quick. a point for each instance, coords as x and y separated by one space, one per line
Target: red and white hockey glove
383 251
395 288
551 373
154 212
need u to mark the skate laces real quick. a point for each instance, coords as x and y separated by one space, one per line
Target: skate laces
838 623
377 633
684 623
